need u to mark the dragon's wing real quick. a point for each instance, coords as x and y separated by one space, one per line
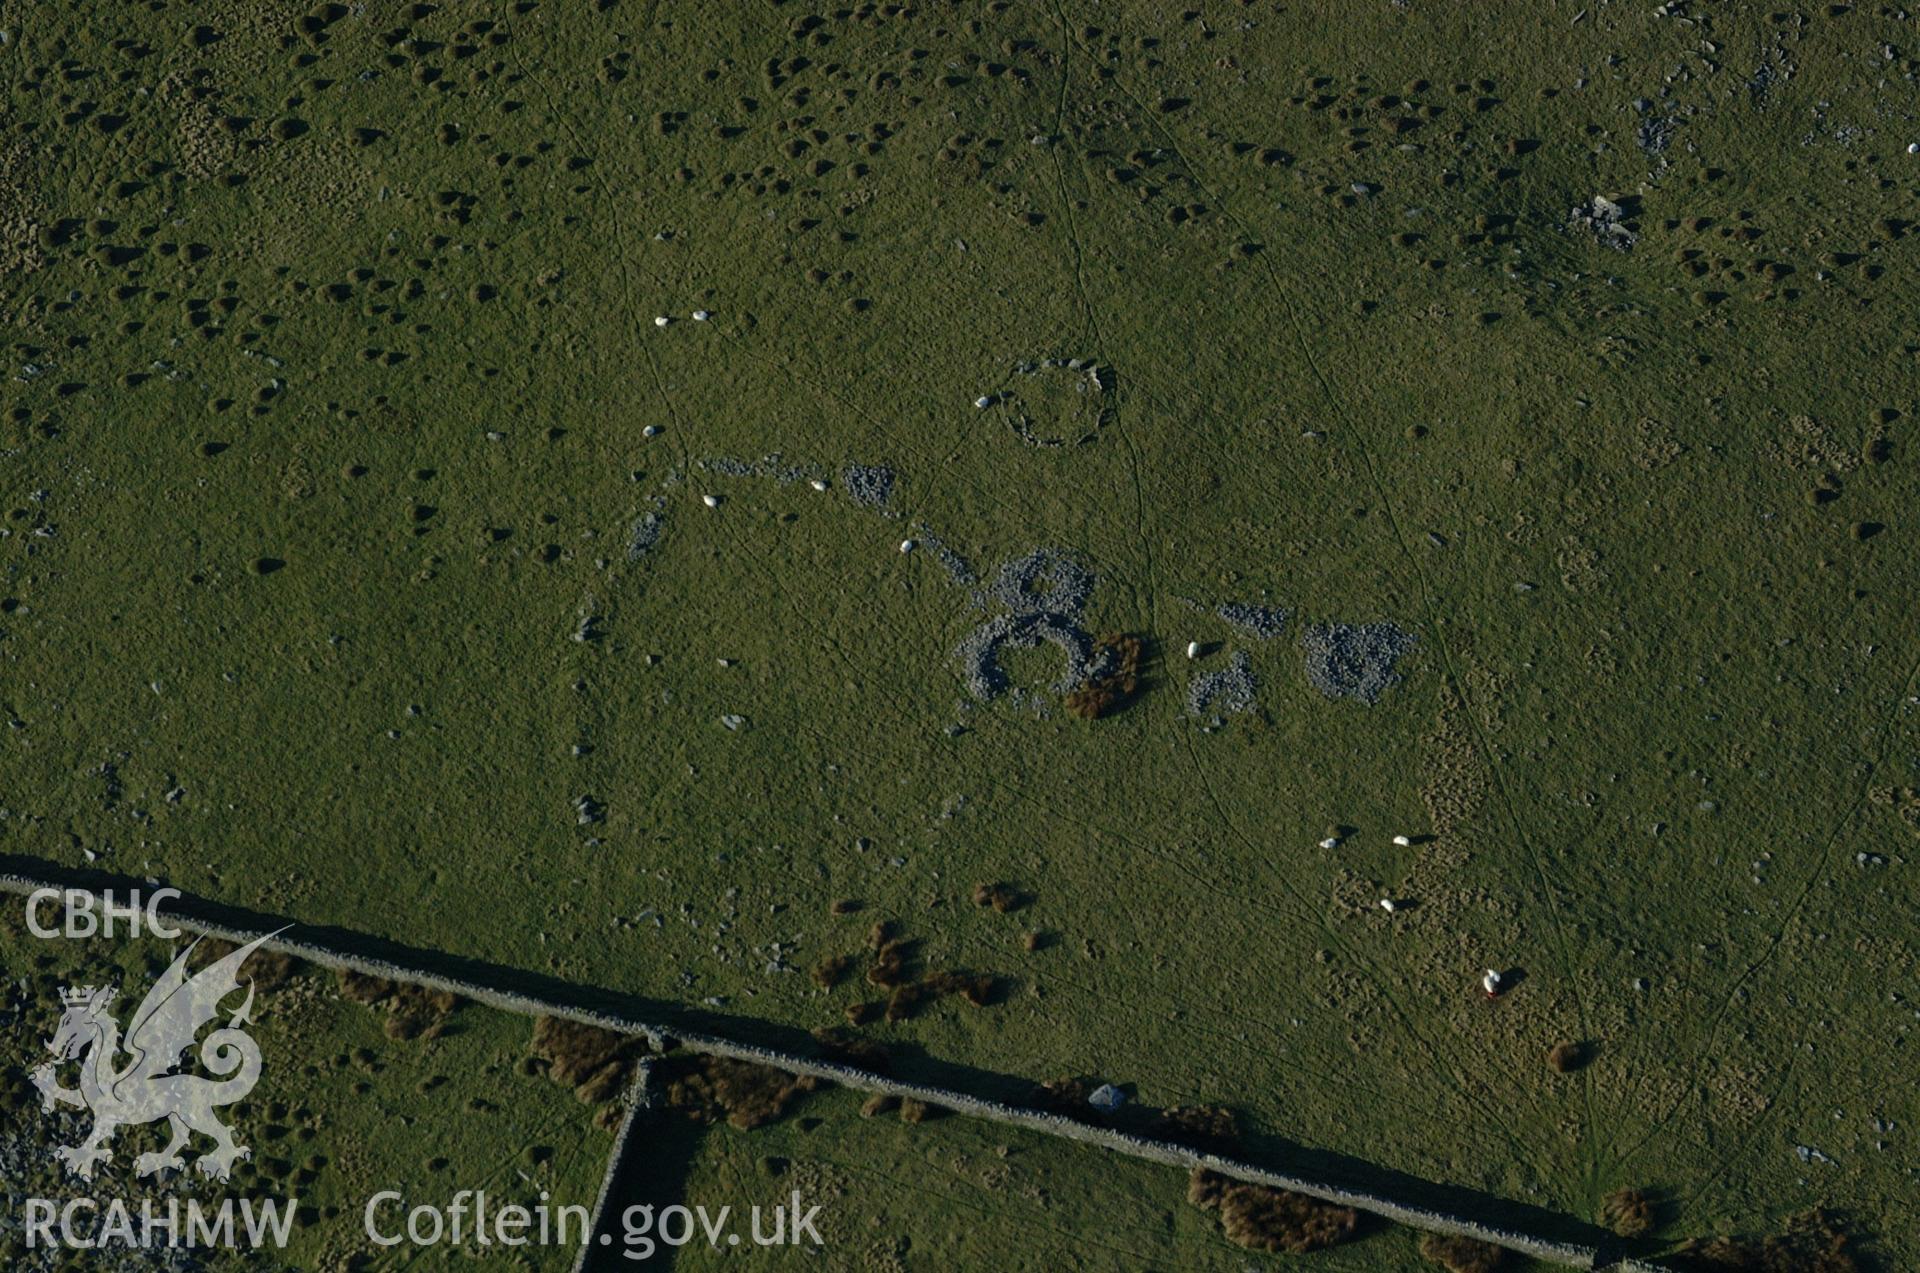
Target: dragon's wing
169 1018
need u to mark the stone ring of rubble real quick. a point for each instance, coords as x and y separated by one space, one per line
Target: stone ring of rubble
1091 383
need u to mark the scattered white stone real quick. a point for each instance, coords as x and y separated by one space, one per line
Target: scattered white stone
818 483
711 501
1402 841
1491 983
1331 842
1107 1098
1193 649
662 321
1913 148
1388 905
652 430
983 402
908 545
732 721
701 315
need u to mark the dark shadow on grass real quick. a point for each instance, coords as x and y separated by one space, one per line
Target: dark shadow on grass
654 1164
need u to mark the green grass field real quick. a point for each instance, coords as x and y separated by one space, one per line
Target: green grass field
343 579
952 1193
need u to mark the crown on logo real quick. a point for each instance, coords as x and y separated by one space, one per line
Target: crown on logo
81 996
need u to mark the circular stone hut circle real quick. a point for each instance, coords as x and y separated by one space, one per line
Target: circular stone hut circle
1020 399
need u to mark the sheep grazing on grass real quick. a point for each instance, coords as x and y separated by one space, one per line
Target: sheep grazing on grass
1492 983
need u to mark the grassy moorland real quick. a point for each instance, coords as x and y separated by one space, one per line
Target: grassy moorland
359 564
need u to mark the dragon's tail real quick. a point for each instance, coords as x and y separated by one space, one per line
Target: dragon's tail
224 1052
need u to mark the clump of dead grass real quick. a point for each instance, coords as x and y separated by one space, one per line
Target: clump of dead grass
1002 897
1208 1128
413 1012
594 1062
745 1095
1811 1244
1463 1255
1123 655
831 970
1629 1212
267 969
846 1048
1262 1218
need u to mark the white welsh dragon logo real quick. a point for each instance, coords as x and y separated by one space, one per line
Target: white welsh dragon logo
147 1088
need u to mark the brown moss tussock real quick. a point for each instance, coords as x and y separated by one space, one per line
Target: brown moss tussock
745 1095
1629 1212
1066 1097
1462 1255
831 970
594 1062
413 1012
846 1048
1811 1244
1261 1218
1002 897
1207 1128
891 969
266 969
1105 695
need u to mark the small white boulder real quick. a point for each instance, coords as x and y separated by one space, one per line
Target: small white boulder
983 402
711 501
818 483
701 315
908 545
1193 649
1402 841
662 321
